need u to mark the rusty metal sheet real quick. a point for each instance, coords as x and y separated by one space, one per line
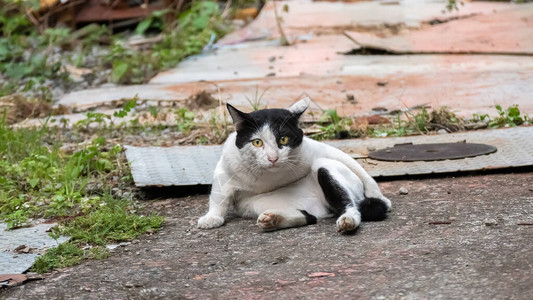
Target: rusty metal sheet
95 10
192 165
431 152
505 32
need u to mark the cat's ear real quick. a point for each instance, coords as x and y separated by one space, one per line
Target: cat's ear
238 117
299 107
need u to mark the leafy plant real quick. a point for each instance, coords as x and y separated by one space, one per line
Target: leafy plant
332 125
185 119
509 117
155 21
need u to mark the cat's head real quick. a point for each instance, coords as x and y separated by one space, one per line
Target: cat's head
268 137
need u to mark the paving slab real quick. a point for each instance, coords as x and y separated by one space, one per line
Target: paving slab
193 165
510 33
448 238
302 16
468 84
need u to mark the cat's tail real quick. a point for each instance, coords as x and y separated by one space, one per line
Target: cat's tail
373 209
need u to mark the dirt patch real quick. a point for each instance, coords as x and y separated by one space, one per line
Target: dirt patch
202 100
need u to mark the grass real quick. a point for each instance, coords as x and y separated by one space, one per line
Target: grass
331 125
40 180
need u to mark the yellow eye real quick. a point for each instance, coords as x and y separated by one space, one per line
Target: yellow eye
257 142
284 140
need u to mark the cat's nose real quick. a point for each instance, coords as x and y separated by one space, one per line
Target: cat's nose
273 160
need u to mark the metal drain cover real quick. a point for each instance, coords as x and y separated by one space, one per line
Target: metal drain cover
429 152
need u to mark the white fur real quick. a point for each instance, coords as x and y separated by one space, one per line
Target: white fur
246 178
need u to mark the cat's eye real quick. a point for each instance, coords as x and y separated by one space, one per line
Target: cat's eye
284 140
257 142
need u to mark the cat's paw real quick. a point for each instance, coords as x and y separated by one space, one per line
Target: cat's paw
346 224
208 222
269 221
378 195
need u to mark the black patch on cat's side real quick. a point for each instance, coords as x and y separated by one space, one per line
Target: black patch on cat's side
335 194
373 209
281 121
309 218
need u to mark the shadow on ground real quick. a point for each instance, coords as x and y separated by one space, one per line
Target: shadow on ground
463 237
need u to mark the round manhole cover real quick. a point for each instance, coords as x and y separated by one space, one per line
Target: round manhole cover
428 152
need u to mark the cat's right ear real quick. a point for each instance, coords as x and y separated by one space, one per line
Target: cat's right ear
238 117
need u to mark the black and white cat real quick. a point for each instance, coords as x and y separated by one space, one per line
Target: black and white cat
270 171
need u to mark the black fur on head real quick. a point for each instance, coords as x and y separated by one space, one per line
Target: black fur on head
283 122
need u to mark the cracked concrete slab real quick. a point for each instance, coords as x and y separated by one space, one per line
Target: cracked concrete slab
302 16
510 33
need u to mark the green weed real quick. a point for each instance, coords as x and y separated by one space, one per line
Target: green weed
509 117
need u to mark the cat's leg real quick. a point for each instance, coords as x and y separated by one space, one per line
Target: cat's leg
371 188
279 219
219 202
297 204
345 195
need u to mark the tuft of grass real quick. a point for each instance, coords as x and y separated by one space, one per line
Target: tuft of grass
66 255
257 99
111 222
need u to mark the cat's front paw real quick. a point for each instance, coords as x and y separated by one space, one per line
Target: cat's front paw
208 222
269 221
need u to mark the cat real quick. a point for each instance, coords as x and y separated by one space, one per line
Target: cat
270 171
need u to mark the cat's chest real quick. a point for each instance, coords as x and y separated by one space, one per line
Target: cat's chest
272 180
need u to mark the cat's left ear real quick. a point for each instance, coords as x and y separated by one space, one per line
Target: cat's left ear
299 107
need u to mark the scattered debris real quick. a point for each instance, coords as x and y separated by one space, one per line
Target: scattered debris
439 223
404 191
321 274
22 249
382 83
351 98
525 223
490 222
10 280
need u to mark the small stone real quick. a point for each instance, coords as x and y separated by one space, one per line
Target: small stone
350 97
442 131
272 59
270 74
404 191
371 148
490 222
382 83
128 284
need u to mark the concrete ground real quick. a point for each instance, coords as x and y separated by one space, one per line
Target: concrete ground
449 238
